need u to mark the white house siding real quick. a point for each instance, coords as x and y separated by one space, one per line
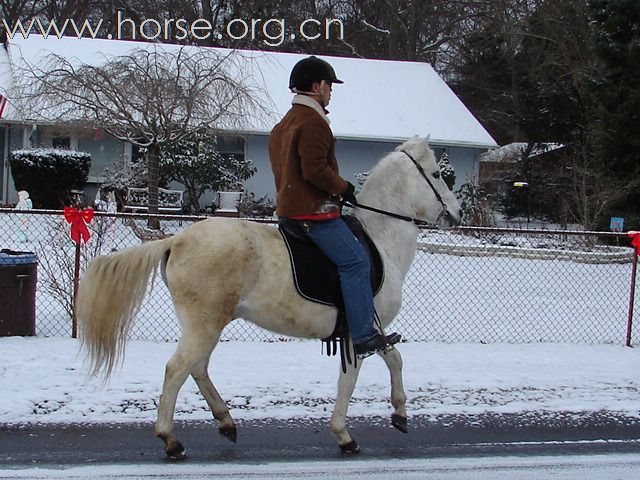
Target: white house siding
464 162
104 151
17 137
354 156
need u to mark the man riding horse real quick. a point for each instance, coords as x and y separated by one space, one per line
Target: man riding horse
309 189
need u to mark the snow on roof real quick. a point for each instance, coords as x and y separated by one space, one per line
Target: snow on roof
512 152
380 99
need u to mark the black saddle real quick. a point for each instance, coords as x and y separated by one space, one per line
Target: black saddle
315 276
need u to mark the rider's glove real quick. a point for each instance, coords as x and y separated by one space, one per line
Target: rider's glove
349 195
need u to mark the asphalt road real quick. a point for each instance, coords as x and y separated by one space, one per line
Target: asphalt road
532 433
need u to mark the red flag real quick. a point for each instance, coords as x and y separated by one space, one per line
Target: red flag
3 103
635 240
78 220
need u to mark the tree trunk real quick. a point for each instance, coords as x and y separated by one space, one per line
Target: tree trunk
153 164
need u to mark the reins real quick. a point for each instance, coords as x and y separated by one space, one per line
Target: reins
387 213
405 218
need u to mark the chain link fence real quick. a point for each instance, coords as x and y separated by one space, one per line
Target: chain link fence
465 285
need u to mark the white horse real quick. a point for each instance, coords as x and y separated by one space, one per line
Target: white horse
221 269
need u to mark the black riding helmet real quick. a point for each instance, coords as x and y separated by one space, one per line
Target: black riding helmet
309 70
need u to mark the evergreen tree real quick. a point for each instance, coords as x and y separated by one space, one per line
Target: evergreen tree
617 36
447 171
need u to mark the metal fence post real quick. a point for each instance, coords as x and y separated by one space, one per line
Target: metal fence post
634 237
76 283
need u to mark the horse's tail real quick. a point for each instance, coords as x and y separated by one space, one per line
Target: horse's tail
110 294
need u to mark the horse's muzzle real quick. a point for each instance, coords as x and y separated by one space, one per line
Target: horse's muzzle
448 219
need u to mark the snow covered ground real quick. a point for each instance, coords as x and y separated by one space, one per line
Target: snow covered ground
611 467
44 380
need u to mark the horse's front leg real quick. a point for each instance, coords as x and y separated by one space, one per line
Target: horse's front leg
393 359
346 384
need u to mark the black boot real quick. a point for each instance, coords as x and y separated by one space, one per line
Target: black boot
377 343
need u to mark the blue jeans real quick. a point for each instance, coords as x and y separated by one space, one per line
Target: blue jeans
337 242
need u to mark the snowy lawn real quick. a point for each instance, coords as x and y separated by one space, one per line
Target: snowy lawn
44 380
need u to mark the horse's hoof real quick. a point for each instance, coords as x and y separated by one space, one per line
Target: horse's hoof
399 422
177 453
229 432
351 447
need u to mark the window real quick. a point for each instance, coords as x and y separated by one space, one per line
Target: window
61 142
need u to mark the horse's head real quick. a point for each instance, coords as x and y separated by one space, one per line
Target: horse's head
430 195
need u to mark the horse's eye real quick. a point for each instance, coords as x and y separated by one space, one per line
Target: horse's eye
436 175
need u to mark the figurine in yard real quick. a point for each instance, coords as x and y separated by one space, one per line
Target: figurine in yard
22 225
107 203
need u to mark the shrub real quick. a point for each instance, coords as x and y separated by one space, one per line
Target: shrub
48 174
250 206
477 208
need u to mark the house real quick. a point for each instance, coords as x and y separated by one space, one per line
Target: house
380 105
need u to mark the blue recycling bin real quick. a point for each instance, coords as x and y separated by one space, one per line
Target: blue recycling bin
18 278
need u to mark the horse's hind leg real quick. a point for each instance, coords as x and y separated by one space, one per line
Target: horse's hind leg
393 359
194 349
217 405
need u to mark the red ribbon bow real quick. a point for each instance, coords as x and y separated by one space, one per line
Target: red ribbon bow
635 240
78 220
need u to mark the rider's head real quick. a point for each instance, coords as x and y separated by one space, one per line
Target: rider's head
313 76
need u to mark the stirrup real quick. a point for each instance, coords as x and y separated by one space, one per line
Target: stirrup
387 346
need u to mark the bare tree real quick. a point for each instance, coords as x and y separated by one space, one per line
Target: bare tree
589 193
404 29
14 11
151 97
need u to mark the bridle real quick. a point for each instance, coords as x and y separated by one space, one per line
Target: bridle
444 212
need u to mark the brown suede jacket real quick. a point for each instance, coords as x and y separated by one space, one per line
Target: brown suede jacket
303 161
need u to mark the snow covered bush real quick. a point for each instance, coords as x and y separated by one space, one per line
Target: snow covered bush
447 171
478 210
253 207
48 174
197 164
122 174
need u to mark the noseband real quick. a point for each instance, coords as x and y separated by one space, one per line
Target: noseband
417 221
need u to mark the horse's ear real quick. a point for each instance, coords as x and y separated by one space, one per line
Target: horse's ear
409 143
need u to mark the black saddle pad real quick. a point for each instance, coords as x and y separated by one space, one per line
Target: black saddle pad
315 277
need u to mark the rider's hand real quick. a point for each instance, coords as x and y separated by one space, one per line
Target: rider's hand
349 195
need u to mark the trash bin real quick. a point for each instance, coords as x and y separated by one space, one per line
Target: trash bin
18 276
